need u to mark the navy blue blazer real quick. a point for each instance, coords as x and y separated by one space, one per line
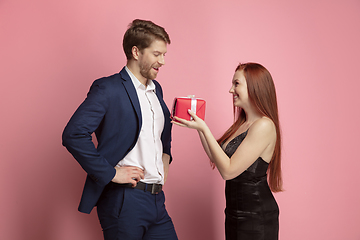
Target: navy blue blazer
111 110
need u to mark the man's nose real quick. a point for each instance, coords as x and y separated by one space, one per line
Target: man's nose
161 60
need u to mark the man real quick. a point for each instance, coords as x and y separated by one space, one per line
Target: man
132 125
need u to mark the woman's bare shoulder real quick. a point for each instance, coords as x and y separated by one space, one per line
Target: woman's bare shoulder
262 126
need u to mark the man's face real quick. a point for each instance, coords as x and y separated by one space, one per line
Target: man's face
152 58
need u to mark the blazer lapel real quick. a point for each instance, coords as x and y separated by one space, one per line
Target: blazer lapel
131 91
161 100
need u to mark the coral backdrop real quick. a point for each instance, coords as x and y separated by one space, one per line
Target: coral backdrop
51 51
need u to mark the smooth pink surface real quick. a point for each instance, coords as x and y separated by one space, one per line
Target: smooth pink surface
51 51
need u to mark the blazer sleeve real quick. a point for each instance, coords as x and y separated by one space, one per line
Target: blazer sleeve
77 134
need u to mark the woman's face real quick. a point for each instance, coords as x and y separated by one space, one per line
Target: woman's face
239 89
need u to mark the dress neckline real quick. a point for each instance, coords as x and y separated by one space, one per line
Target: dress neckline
236 137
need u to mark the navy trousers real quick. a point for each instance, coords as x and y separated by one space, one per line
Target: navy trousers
133 214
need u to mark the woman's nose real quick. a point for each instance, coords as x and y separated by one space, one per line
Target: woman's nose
231 90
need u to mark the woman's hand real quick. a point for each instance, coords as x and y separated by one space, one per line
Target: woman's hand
197 123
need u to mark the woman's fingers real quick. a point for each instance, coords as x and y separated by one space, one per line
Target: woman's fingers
180 122
192 113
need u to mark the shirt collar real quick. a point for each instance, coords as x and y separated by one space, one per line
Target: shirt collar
137 84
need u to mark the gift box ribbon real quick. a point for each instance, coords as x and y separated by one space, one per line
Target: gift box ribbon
193 104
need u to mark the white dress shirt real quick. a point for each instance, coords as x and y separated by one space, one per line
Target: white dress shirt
147 152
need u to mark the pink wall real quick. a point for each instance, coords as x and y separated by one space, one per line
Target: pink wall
51 51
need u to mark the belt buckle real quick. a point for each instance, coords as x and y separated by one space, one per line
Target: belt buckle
154 189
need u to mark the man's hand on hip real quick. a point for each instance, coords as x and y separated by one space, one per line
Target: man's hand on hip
128 174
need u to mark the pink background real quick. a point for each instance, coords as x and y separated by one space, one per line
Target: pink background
51 51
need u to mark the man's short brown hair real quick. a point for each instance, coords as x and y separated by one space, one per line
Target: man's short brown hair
142 33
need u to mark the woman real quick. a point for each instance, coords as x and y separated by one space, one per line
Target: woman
244 155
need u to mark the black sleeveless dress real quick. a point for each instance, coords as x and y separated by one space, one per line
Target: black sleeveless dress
251 210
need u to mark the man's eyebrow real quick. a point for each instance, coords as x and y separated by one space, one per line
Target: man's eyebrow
158 51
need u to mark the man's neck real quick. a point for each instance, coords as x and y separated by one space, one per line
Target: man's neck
134 68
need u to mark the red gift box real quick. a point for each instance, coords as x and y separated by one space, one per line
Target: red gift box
182 104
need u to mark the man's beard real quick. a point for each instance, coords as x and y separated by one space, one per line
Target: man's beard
145 71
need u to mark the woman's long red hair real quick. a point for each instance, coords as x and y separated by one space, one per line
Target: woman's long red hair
261 90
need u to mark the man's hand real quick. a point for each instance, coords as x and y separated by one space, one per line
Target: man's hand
128 175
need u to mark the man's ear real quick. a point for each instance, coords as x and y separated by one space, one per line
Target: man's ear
135 52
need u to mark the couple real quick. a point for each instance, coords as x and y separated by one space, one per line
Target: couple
126 171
